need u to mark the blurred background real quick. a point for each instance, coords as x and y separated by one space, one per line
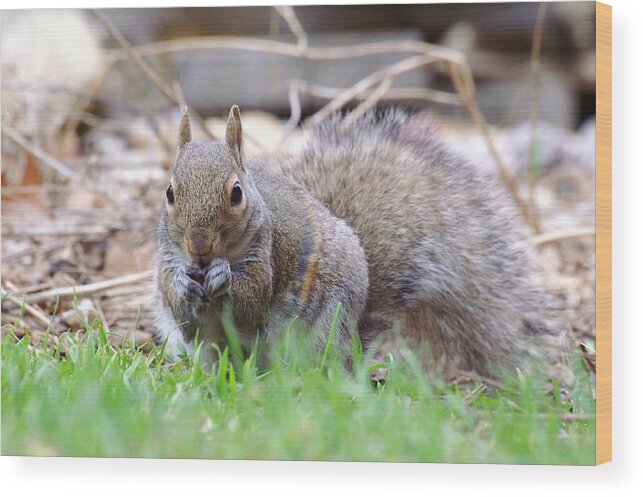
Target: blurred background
91 103
496 38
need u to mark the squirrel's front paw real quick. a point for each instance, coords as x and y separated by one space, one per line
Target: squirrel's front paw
188 288
217 278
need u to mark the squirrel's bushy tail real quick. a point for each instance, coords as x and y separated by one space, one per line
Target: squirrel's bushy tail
447 257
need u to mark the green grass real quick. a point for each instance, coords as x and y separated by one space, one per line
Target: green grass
98 400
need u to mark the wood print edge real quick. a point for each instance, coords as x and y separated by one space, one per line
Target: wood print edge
603 233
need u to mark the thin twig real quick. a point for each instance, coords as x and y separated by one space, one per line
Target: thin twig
206 43
20 333
288 13
296 87
31 189
70 291
30 309
437 96
475 376
536 45
474 394
133 54
295 110
563 234
573 417
37 152
478 119
363 85
121 291
178 92
37 287
371 101
97 231
31 250
167 146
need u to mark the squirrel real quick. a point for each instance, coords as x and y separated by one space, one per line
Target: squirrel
375 215
237 240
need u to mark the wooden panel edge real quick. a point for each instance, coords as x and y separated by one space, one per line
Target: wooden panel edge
603 233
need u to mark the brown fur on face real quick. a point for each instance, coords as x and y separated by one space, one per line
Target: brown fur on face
202 220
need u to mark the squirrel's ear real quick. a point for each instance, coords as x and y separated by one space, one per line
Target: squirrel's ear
185 131
233 135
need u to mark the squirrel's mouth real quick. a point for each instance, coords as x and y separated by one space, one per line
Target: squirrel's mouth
199 261
202 249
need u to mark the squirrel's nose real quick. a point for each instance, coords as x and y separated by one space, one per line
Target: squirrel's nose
199 244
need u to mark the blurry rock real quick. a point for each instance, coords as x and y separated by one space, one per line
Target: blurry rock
48 58
507 97
504 78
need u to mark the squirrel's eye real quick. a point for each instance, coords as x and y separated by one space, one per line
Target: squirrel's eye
236 195
169 193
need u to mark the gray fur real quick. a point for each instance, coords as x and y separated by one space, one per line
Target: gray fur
446 256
